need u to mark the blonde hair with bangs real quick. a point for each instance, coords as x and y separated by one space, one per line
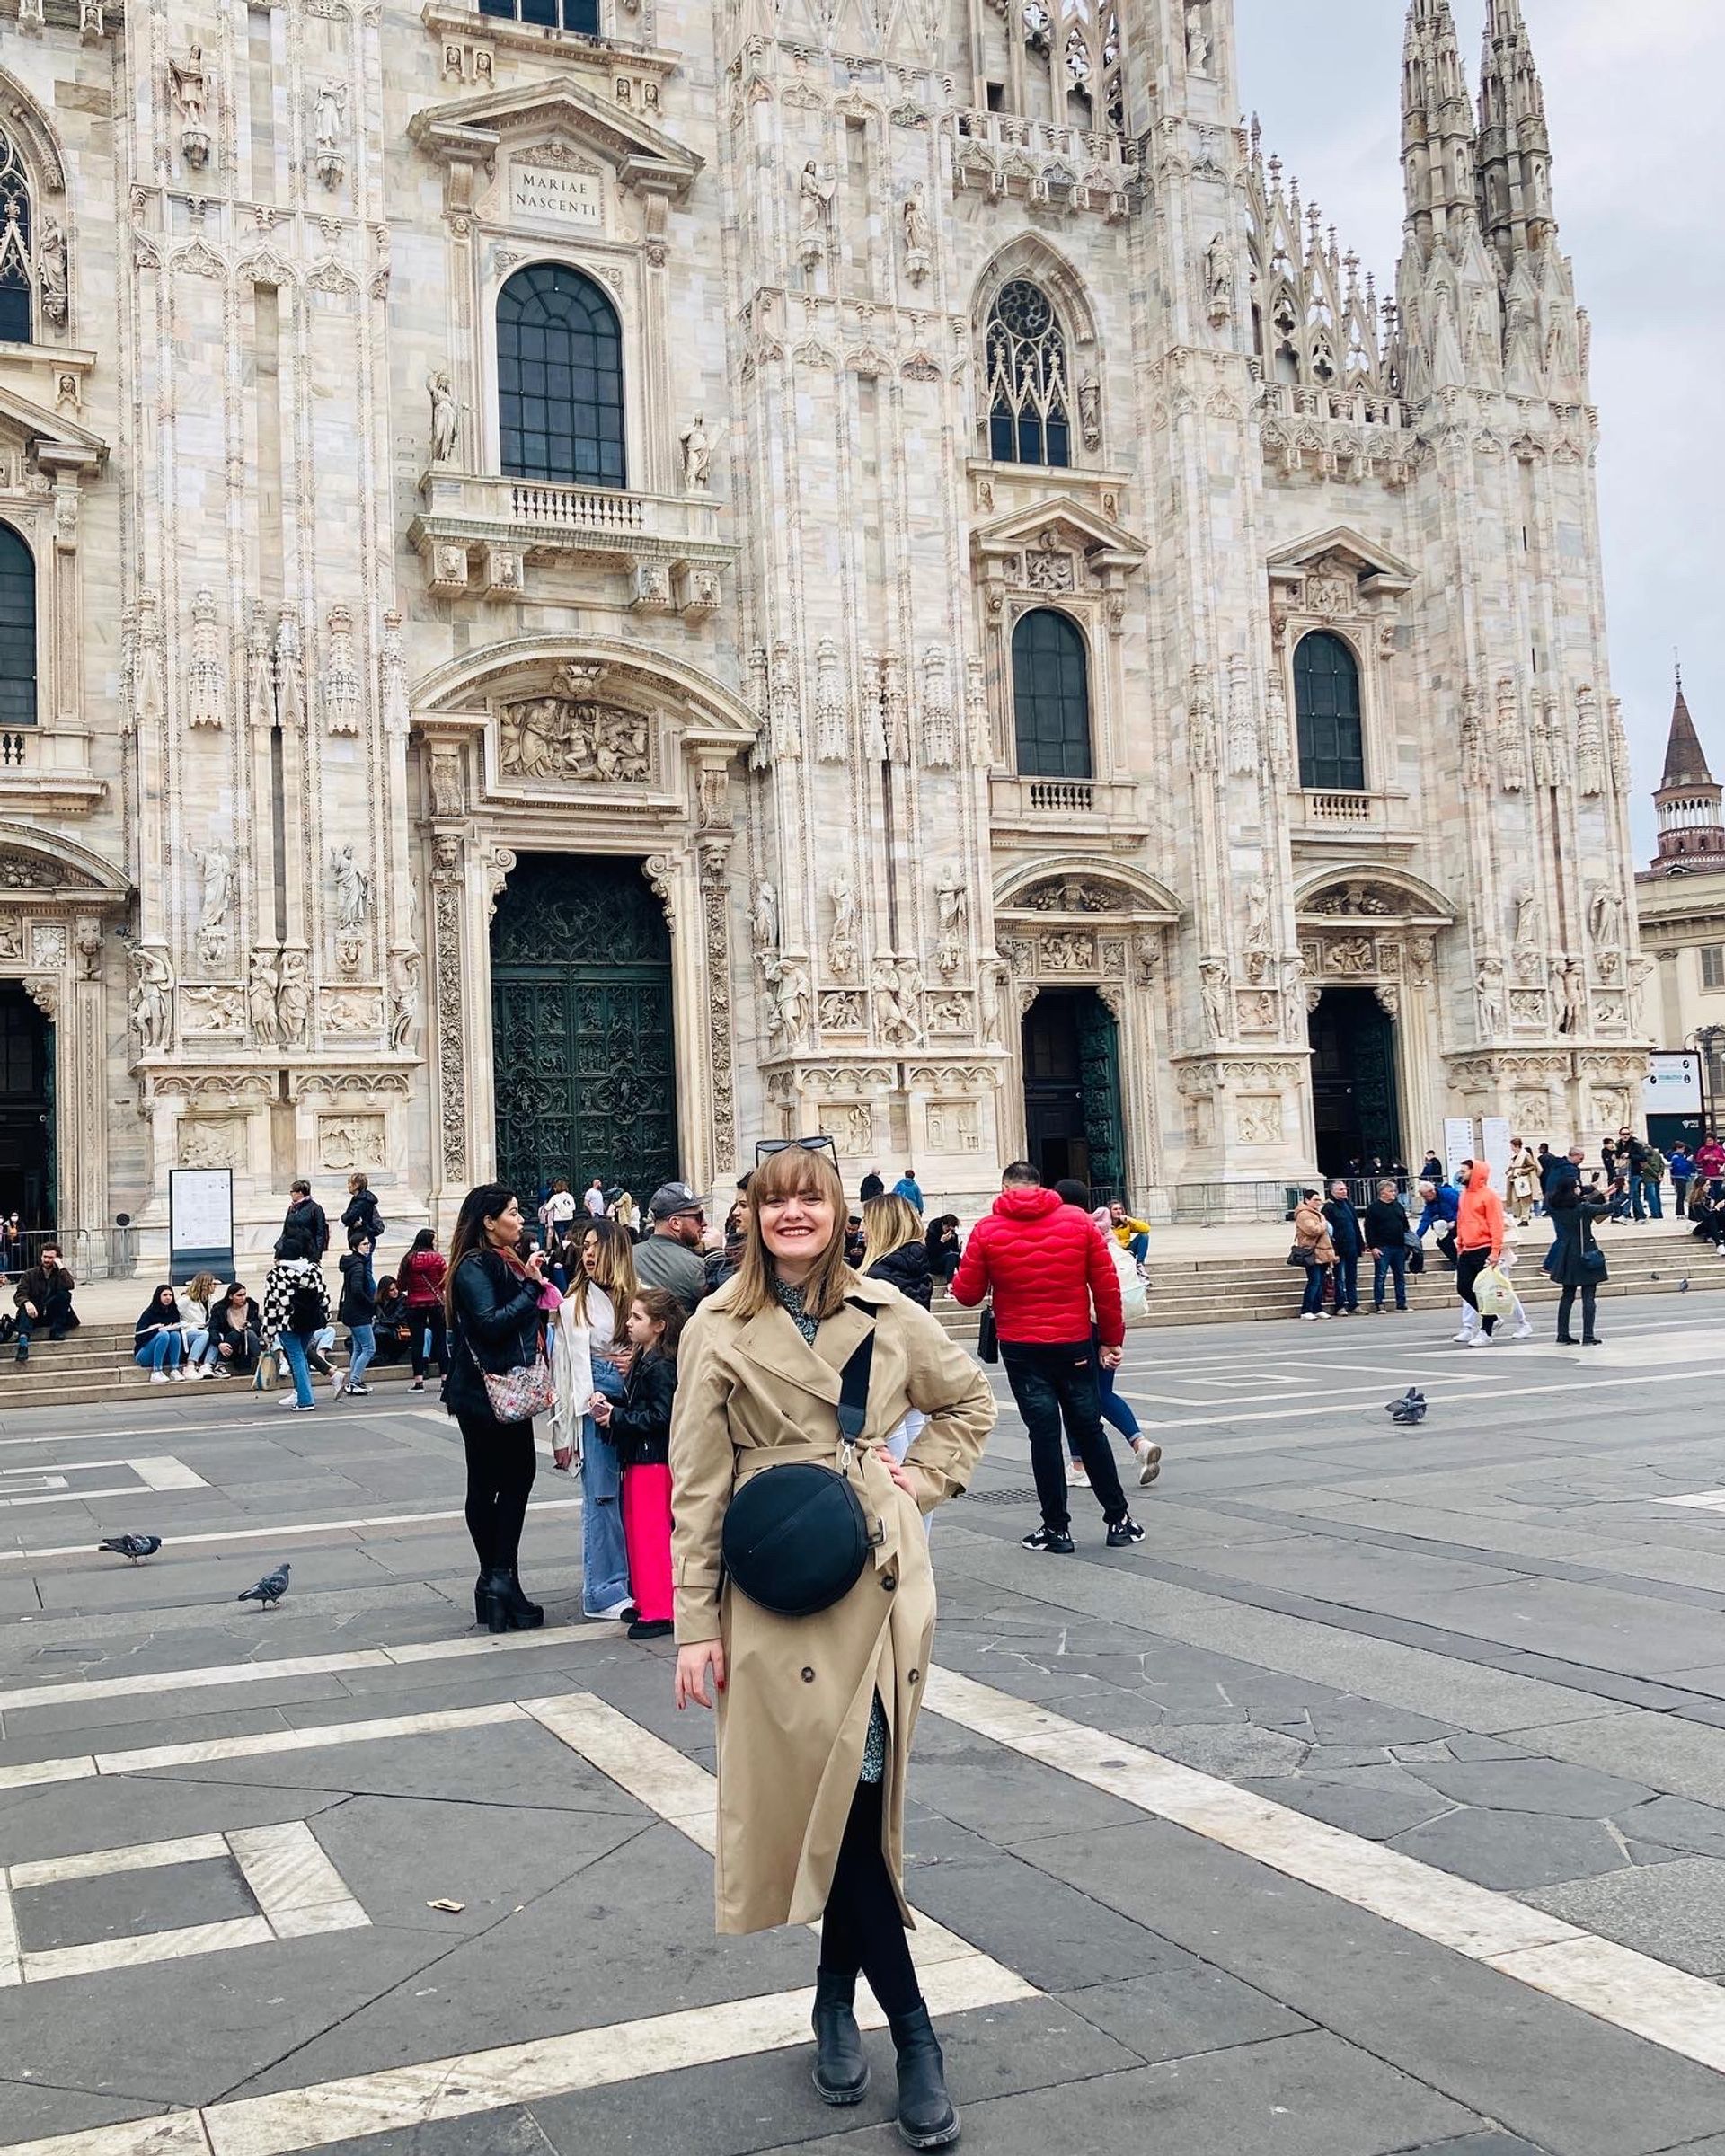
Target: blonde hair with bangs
796 1172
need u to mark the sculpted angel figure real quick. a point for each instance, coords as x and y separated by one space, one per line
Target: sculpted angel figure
446 417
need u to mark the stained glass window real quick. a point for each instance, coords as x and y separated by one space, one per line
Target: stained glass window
1029 406
559 378
14 246
1050 697
1326 701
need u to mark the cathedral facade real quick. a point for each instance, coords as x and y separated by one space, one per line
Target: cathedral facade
586 581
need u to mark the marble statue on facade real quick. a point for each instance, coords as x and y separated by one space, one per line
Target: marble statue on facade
697 455
446 417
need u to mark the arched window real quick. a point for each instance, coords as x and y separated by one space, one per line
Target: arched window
14 245
1029 394
17 630
559 378
1326 702
1050 697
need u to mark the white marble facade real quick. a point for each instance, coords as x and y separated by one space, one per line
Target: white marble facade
312 672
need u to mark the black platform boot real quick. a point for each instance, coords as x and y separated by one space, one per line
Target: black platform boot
528 1615
927 2119
841 2071
492 1601
479 1599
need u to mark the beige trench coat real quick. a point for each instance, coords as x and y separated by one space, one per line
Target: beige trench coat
794 1714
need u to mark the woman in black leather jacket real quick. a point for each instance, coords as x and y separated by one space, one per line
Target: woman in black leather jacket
896 1250
492 1301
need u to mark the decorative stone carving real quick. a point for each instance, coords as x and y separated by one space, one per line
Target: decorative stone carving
1605 917
951 908
1423 954
152 1011
261 999
1048 566
351 1010
1197 38
894 990
206 1009
1527 1008
1257 1011
1389 1000
1072 894
840 1011
1350 956
874 719
329 131
1218 282
1258 1117
1242 744
791 1008
1571 984
831 718
1511 744
343 697
895 709
1068 950
1261 936
841 944
447 978
352 1141
1488 984
786 718
51 274
290 673
444 779
1356 900
87 937
939 745
991 987
293 999
976 714
564 736
1090 412
186 80
352 889
919 237
1476 768
445 416
392 675
1200 720
1213 994
206 692
815 194
213 1142
403 997
764 919
260 673
1590 743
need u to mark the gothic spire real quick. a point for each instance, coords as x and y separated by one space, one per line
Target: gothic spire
1515 149
1685 761
1437 149
1691 830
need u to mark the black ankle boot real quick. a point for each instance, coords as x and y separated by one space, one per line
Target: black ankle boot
492 1601
841 2071
528 1615
927 2119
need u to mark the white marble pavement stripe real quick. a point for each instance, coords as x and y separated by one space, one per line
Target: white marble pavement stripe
1683 2014
11 1966
98 1863
103 1954
292 1881
76 1690
292 1531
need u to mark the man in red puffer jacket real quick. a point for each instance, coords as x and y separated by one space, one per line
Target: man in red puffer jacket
1046 1263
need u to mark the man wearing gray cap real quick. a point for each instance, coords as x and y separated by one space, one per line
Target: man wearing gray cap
666 1258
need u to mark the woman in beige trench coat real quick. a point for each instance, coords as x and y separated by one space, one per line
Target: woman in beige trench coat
815 1713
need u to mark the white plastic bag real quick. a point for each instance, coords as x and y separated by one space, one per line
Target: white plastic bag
1494 1294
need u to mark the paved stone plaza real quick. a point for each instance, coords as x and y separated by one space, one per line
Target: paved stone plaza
1376 1804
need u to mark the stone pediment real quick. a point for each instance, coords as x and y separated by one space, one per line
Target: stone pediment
1371 891
1075 886
35 865
1060 523
470 130
1342 550
52 439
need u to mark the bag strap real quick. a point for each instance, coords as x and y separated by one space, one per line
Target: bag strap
853 1382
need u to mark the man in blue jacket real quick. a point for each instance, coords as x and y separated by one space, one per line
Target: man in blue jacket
1442 1203
909 1189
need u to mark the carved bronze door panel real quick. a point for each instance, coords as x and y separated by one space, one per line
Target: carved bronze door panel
582 1034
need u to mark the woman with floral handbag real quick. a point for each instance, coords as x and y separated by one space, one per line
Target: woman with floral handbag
497 1380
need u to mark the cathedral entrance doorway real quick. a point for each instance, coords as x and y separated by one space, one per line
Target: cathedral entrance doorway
1072 1090
1355 1113
27 1151
584 1054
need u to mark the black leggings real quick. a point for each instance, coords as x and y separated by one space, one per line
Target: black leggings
1590 1295
427 1317
500 1464
1469 1265
863 1929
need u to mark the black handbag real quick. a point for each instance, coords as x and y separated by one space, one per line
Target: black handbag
1299 1255
795 1538
988 1336
1593 1263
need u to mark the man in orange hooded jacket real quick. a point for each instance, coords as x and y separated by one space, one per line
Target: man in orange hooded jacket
1479 1242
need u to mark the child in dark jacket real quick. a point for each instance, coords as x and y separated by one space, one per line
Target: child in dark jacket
639 1426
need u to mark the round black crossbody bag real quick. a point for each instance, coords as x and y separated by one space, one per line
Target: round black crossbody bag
795 1538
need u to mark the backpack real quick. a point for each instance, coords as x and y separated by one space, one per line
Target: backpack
308 1306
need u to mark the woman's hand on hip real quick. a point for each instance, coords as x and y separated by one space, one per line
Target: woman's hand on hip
693 1663
895 1469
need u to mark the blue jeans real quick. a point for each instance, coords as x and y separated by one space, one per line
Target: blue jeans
160 1351
1645 1190
1392 1260
605 1560
1347 1276
198 1347
365 1346
1140 1247
295 1346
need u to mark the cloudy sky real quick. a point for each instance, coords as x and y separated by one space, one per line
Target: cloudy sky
1629 93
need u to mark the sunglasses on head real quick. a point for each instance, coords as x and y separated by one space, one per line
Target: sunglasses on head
765 1147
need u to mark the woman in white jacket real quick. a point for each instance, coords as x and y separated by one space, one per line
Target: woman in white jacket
590 1355
198 1301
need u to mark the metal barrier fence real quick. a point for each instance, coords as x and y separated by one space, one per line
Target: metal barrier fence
87 1254
1217 1205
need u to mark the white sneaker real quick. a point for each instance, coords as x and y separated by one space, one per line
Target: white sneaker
1480 1340
1076 1479
201 1370
1308 1317
1465 1336
158 1377
290 1399
1522 1332
179 1376
337 1384
1149 1460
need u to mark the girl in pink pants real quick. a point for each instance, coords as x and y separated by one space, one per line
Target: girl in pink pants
640 1426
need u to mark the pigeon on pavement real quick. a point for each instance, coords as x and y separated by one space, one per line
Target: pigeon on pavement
270 1590
135 1546
1410 1409
1683 1285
